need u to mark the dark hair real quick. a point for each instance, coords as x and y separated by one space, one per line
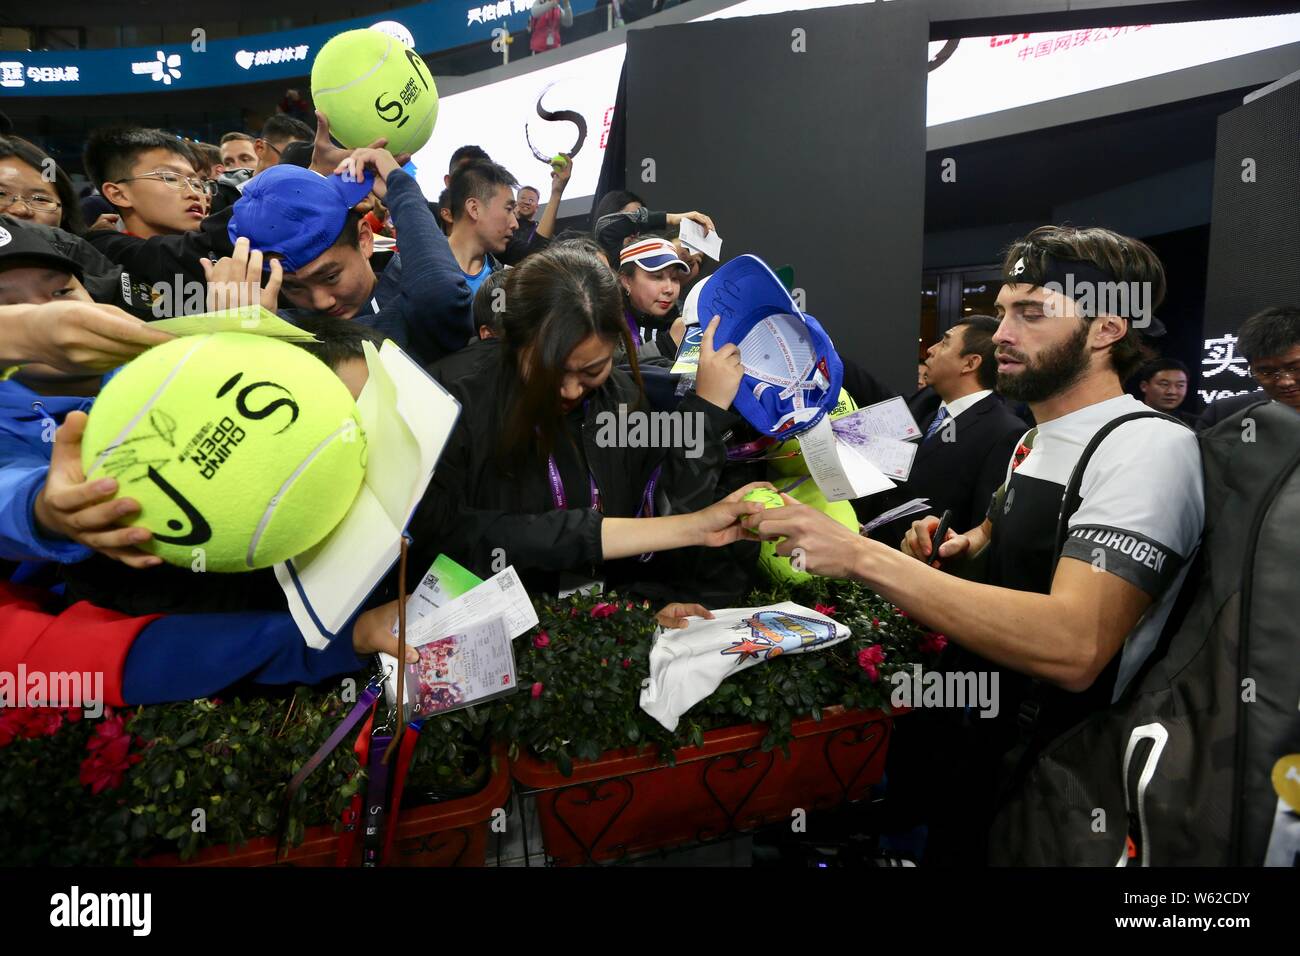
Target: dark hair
557 298
1155 366
207 155
279 129
978 340
111 151
348 235
477 179
612 201
340 339
1269 333
465 154
70 217
227 137
297 153
1125 258
437 208
578 239
484 298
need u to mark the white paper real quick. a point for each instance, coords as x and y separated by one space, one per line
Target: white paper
501 595
888 419
841 472
893 457
692 235
407 418
458 670
915 506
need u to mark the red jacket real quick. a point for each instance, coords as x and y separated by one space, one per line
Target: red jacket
81 638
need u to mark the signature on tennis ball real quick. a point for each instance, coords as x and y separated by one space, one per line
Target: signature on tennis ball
768 497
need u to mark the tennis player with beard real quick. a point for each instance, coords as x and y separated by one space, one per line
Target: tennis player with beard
1064 636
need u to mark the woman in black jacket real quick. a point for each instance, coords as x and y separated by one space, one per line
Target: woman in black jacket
556 466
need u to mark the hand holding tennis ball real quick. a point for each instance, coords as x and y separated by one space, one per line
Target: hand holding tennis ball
768 497
87 512
236 451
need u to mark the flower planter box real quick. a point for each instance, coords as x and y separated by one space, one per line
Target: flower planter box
452 833
628 802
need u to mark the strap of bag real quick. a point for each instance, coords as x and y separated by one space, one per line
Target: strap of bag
1029 716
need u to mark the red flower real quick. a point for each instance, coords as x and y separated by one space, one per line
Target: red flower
573 612
931 643
601 611
869 657
537 689
28 723
900 612
875 623
827 609
627 662
10 726
542 640
109 756
604 662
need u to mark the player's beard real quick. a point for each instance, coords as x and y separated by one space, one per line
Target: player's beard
1055 370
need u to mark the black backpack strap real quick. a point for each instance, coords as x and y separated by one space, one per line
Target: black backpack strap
1071 500
1031 706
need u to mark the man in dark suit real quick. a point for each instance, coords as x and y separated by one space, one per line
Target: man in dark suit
968 440
1270 341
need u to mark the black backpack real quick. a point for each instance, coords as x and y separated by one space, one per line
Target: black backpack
1178 771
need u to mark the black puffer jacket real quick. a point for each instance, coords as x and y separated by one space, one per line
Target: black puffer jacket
473 508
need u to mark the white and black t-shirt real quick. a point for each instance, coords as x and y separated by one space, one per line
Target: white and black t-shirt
1143 505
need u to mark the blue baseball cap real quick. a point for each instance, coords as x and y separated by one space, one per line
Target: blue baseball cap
295 212
792 371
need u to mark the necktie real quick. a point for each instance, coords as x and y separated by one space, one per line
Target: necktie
935 425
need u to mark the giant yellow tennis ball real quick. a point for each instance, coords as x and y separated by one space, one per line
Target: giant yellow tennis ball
369 85
243 446
778 568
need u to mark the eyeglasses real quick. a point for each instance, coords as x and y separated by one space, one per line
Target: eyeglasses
174 180
1270 376
33 201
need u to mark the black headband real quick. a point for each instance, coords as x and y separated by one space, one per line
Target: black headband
1069 275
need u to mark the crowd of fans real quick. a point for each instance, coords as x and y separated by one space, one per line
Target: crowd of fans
537 332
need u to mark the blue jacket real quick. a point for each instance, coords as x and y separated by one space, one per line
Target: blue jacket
27 424
425 304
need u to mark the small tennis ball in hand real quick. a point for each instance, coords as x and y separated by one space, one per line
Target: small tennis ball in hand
243 448
768 496
559 161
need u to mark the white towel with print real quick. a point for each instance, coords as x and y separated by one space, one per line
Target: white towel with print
687 665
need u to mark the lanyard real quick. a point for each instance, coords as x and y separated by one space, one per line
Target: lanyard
358 711
558 498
